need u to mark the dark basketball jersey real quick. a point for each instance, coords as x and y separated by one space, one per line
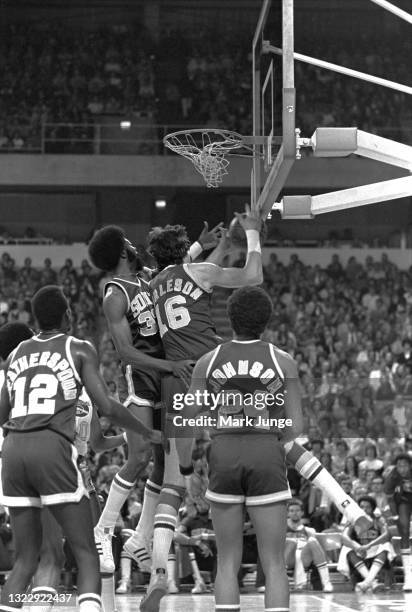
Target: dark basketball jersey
183 314
246 383
43 386
140 315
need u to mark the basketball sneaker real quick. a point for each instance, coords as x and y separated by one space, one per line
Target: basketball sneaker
327 587
156 590
138 548
103 540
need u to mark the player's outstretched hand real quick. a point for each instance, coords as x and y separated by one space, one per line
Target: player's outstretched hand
249 219
209 239
183 369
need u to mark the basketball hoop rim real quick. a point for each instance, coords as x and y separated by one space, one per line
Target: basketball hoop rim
231 139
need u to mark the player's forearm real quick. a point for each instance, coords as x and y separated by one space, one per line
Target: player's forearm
384 537
183 539
252 270
217 255
347 541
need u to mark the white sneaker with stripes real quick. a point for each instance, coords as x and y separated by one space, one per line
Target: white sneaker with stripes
103 540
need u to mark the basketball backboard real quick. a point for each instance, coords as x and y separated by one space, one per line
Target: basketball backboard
274 103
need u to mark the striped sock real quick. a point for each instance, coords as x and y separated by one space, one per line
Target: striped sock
311 469
119 492
164 528
171 567
151 497
323 573
44 591
375 569
89 602
362 569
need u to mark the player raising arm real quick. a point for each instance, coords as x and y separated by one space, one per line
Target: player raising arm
133 327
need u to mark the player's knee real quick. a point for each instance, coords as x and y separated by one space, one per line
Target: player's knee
172 495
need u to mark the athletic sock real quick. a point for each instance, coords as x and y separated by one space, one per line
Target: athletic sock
45 593
374 570
119 492
171 567
164 528
195 568
323 573
165 524
311 469
362 569
150 500
90 602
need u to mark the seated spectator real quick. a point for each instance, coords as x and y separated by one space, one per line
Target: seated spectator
303 549
367 553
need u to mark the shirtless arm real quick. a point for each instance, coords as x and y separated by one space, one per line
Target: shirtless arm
115 309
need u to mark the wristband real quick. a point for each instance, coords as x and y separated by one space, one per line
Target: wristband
124 436
195 250
253 241
186 471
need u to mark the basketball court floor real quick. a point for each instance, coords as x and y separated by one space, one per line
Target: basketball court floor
300 602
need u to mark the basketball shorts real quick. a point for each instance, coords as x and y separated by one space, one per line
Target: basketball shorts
247 469
40 469
135 390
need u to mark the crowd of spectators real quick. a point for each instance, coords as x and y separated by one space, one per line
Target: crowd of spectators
55 74
349 327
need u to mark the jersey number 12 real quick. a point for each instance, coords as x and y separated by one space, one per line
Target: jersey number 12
42 388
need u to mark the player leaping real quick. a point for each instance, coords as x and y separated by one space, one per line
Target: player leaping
132 323
181 294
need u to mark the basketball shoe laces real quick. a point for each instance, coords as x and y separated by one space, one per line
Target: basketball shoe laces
103 539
